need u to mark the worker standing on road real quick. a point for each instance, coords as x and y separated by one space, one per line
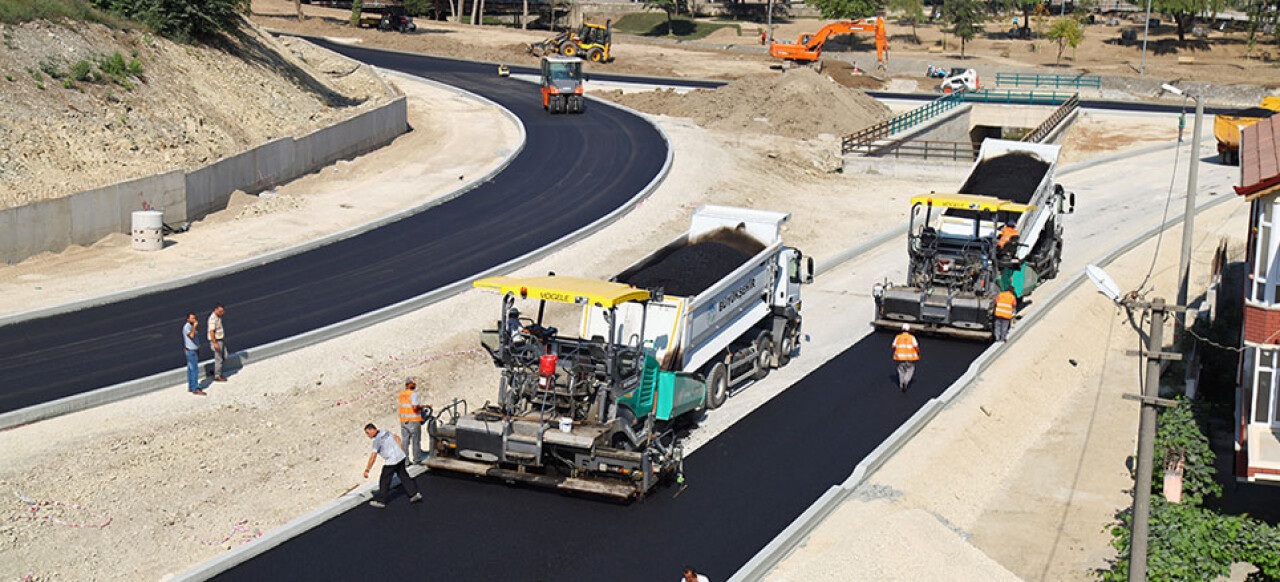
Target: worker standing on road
1006 303
217 337
389 446
410 411
906 351
191 349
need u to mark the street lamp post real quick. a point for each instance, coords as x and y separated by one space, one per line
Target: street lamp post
769 20
1146 26
1189 214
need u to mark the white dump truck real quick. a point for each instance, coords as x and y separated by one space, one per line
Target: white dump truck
1001 231
592 412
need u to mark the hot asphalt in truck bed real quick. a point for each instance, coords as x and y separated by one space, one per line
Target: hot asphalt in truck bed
1012 177
744 487
572 171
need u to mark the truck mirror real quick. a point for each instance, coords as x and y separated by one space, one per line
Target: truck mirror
808 270
1072 208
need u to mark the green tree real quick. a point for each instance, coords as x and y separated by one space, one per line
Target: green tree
671 7
1066 32
912 11
965 17
845 9
1027 7
1184 12
181 20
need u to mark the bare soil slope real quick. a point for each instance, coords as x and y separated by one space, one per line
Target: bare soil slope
64 130
800 103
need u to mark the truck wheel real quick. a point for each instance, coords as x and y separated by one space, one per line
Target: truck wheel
788 345
595 55
569 49
764 356
717 386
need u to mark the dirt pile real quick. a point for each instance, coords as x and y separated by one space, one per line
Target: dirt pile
86 106
799 103
1011 177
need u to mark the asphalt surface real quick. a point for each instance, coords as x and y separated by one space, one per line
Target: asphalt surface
573 170
744 487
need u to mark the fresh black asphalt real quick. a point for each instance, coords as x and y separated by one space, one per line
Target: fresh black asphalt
744 487
573 170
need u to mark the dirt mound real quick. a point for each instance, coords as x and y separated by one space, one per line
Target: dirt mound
1011 177
799 103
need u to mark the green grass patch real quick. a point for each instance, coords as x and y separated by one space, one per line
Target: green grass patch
655 24
18 11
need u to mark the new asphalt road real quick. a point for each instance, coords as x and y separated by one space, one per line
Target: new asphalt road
744 487
573 170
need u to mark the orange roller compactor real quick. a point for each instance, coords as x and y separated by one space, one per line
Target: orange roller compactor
809 48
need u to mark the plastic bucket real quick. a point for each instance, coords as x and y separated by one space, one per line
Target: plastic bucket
566 424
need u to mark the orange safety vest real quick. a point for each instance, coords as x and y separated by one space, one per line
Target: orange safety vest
905 348
1005 303
1006 234
407 413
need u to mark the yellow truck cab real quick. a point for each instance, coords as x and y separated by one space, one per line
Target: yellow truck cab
1227 126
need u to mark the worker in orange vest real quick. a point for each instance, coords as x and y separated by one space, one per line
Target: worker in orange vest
906 351
1006 303
1006 234
410 410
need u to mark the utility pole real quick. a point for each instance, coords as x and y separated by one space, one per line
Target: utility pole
1189 218
1150 399
769 20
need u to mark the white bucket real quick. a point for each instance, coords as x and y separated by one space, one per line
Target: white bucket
566 424
148 230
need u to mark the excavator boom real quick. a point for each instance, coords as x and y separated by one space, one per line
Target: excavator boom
809 47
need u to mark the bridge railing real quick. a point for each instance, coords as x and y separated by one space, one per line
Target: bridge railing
1049 124
960 151
1049 80
1017 96
899 122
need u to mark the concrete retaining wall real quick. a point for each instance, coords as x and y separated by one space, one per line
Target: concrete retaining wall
84 218
952 126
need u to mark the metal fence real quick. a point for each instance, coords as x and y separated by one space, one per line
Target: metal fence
1049 80
899 122
1017 96
960 151
1045 128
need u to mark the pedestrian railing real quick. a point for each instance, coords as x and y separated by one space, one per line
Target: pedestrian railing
1049 80
1016 96
960 151
1044 129
899 122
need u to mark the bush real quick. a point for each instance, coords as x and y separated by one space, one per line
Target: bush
181 20
52 68
82 71
16 11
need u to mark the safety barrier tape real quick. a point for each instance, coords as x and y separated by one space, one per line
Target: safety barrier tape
38 511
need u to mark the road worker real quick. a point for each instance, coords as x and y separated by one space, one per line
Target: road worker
410 410
1006 303
1008 233
515 329
906 351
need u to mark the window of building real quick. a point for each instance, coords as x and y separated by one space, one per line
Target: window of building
1266 407
1263 288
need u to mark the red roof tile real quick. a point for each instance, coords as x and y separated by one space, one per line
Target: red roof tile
1260 156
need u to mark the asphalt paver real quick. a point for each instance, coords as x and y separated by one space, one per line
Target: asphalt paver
744 487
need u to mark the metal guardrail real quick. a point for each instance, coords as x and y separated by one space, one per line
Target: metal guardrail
899 122
919 149
1048 125
1048 80
1016 96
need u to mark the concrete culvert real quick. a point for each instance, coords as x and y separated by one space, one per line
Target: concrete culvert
694 268
1012 177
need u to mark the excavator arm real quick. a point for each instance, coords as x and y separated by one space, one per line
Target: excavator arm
809 47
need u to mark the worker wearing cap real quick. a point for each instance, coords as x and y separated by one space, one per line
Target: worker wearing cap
906 351
1008 233
411 422
1006 303
515 329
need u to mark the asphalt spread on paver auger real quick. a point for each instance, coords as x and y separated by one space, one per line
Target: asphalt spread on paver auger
744 486
573 170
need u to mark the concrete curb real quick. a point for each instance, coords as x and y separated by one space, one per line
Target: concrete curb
296 249
174 377
224 562
781 546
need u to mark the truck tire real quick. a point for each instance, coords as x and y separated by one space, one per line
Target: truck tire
788 345
717 386
764 356
569 49
595 55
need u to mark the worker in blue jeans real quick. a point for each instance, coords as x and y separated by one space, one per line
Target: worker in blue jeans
191 350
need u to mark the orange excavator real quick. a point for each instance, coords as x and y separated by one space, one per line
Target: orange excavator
809 48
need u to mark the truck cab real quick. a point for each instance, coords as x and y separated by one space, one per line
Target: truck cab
562 85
